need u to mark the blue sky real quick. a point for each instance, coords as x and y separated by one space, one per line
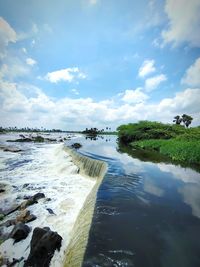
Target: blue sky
83 63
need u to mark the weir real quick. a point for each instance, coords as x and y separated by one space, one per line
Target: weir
79 238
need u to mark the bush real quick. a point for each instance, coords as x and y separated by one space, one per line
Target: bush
148 130
188 151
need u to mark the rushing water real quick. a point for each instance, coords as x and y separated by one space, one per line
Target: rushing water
45 168
147 211
146 215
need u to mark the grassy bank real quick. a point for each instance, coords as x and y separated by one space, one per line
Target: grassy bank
174 141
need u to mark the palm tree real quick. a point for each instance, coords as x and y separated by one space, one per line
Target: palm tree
187 120
177 119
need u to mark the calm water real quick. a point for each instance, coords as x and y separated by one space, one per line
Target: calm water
147 214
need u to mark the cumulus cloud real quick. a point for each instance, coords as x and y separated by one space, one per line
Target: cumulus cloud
192 75
153 82
7 35
26 105
134 96
146 68
68 75
31 61
184 22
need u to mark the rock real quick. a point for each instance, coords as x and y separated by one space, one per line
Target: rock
27 203
8 223
10 264
25 185
19 232
1 216
38 139
26 139
25 217
38 196
12 149
50 211
10 210
22 136
32 200
44 242
51 139
76 145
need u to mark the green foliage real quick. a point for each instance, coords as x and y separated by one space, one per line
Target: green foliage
174 141
180 150
148 130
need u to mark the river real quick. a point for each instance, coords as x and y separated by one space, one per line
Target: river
147 211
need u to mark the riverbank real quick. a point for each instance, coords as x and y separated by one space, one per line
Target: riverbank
175 141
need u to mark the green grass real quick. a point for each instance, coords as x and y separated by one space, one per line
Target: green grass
174 141
179 150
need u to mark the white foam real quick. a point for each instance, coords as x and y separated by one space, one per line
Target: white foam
50 170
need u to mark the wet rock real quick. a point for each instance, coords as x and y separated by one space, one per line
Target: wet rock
19 232
3 188
25 216
10 264
44 242
38 196
8 223
51 139
12 149
32 200
50 211
1 216
26 185
76 145
26 139
10 210
27 203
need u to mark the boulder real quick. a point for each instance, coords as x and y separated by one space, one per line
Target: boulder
50 211
25 216
32 200
76 145
44 242
19 232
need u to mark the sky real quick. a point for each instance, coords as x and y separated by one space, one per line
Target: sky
72 64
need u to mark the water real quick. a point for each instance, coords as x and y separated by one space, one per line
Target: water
45 168
147 214
147 210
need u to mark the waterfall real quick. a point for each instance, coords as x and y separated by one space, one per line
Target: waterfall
87 166
93 168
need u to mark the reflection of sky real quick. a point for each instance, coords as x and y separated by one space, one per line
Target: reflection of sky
190 190
158 178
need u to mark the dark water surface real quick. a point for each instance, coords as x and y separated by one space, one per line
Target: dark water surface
147 213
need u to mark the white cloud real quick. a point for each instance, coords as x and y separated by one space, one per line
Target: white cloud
192 75
31 61
134 96
184 22
68 75
153 82
146 68
7 35
26 105
75 91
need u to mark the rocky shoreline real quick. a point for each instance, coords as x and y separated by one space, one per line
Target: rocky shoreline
43 243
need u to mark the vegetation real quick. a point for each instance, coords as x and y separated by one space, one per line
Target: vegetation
175 141
96 131
186 119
